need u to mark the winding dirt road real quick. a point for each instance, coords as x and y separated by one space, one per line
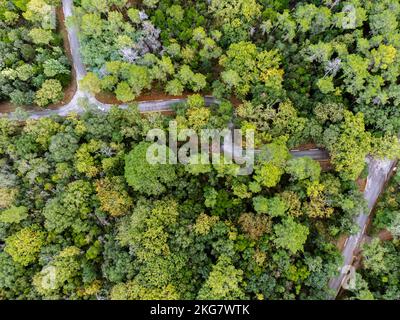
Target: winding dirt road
80 70
379 171
377 178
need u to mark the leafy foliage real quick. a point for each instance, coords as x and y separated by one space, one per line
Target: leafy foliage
34 69
85 216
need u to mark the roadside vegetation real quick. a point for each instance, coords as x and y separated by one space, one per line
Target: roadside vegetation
78 199
379 274
335 63
83 215
33 67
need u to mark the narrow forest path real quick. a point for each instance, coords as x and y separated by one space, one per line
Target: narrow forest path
80 70
379 171
144 106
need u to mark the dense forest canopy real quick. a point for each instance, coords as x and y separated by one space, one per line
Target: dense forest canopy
75 202
84 215
335 62
33 67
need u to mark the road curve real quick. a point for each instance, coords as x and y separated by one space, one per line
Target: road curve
80 70
379 171
144 107
378 174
